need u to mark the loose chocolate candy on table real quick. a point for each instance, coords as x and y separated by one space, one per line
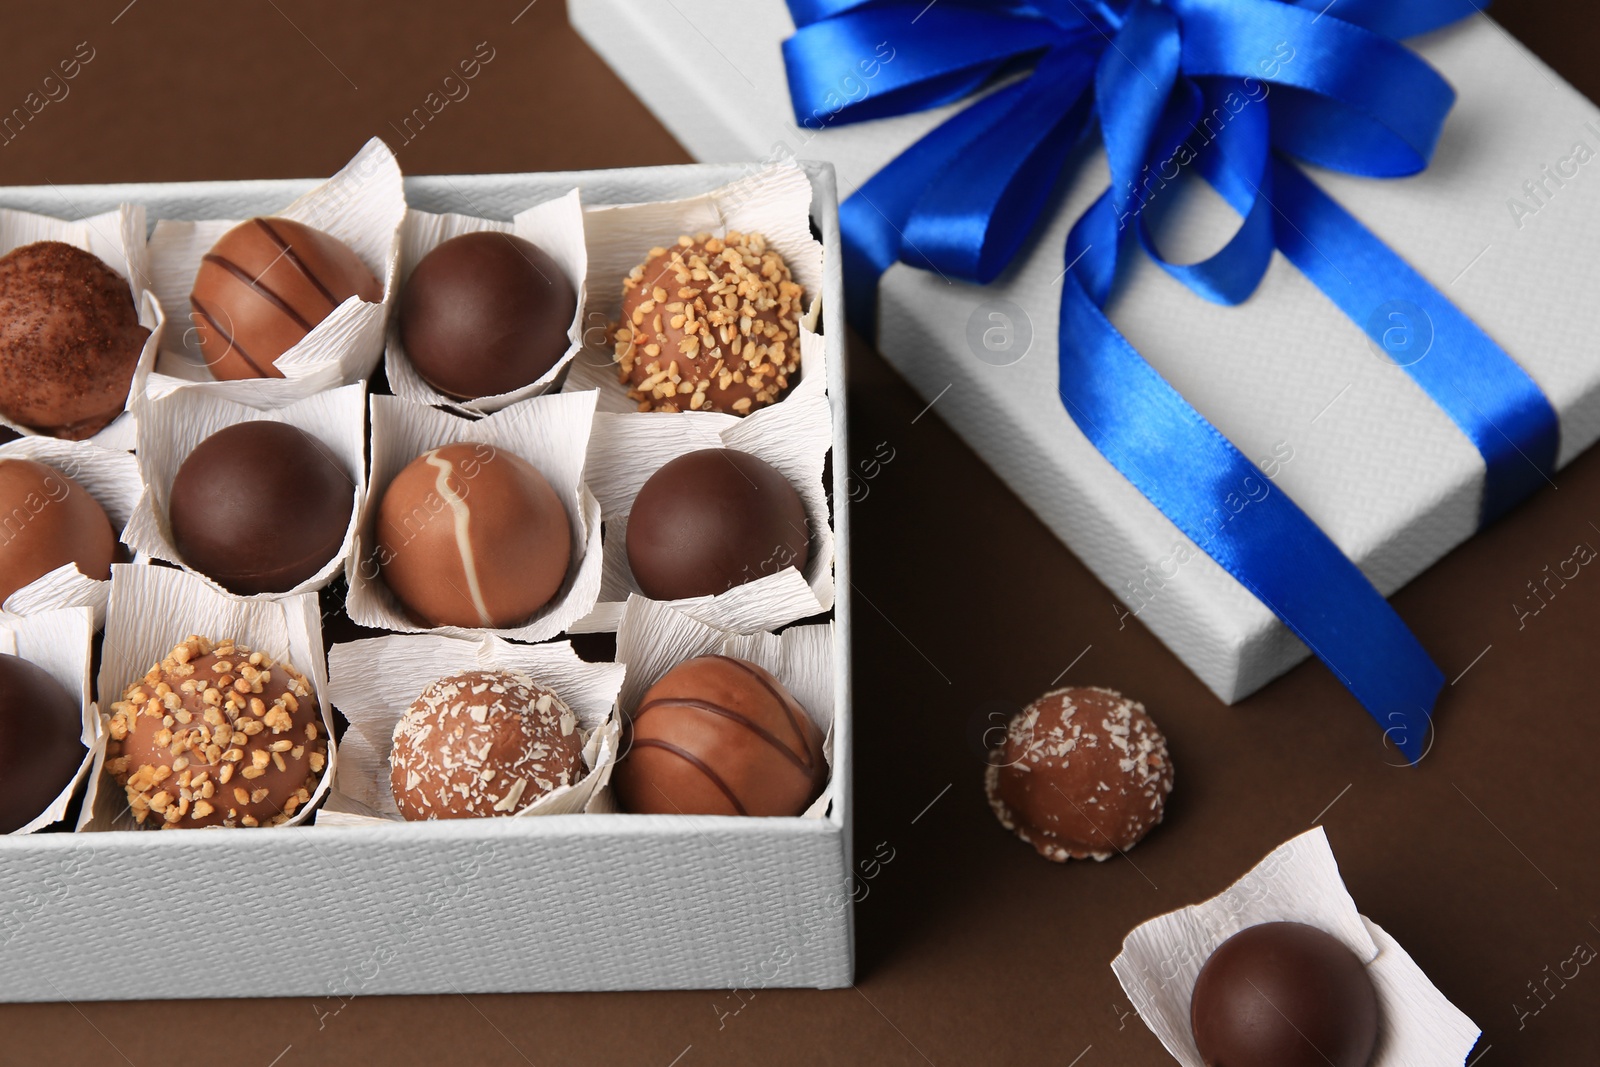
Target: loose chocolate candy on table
1082 772
1284 994
481 744
47 520
710 520
70 340
41 741
217 735
260 506
484 314
472 535
720 736
266 284
710 324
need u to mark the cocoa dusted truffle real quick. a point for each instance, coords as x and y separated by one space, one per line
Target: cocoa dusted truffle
480 744
710 324
70 340
471 535
1284 994
266 284
260 507
1082 772
47 520
217 735
720 736
485 313
710 520
41 741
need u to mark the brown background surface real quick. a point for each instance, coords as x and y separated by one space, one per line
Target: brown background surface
1481 861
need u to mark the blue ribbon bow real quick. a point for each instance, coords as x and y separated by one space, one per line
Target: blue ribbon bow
1170 83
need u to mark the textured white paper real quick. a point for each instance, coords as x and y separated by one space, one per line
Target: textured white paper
59 641
174 425
1298 882
551 432
373 682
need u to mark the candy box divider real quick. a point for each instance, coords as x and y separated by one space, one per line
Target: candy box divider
583 902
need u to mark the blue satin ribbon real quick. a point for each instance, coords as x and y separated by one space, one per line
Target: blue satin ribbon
1182 83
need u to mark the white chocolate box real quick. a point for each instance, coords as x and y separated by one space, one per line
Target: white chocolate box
563 902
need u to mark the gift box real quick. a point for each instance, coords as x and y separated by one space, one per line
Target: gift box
1498 222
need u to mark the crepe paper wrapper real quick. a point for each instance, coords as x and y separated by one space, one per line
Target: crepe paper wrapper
774 202
112 478
173 426
59 641
793 436
118 238
655 637
153 609
556 226
375 681
552 433
1298 882
363 206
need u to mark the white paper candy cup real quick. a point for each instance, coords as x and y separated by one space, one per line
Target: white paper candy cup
173 426
118 238
374 681
59 642
112 478
1298 882
362 206
153 609
556 227
654 638
551 432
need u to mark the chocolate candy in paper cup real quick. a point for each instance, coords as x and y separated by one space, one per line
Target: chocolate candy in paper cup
52 733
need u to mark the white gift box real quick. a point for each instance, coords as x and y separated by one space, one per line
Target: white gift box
1492 223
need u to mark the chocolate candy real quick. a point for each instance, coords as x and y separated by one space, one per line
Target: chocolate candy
480 744
710 520
260 507
485 313
720 736
710 324
264 286
471 535
1284 994
41 741
217 735
70 340
47 520
1082 772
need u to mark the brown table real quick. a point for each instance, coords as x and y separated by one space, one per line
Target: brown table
1481 861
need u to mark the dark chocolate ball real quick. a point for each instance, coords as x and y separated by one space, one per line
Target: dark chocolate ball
710 520
1284 994
485 313
70 340
41 741
260 506
48 520
720 736
266 284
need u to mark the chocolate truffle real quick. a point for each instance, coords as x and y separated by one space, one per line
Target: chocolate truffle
47 520
480 744
217 735
1284 994
1082 772
41 741
485 313
70 340
471 535
710 324
720 736
710 520
260 506
264 286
